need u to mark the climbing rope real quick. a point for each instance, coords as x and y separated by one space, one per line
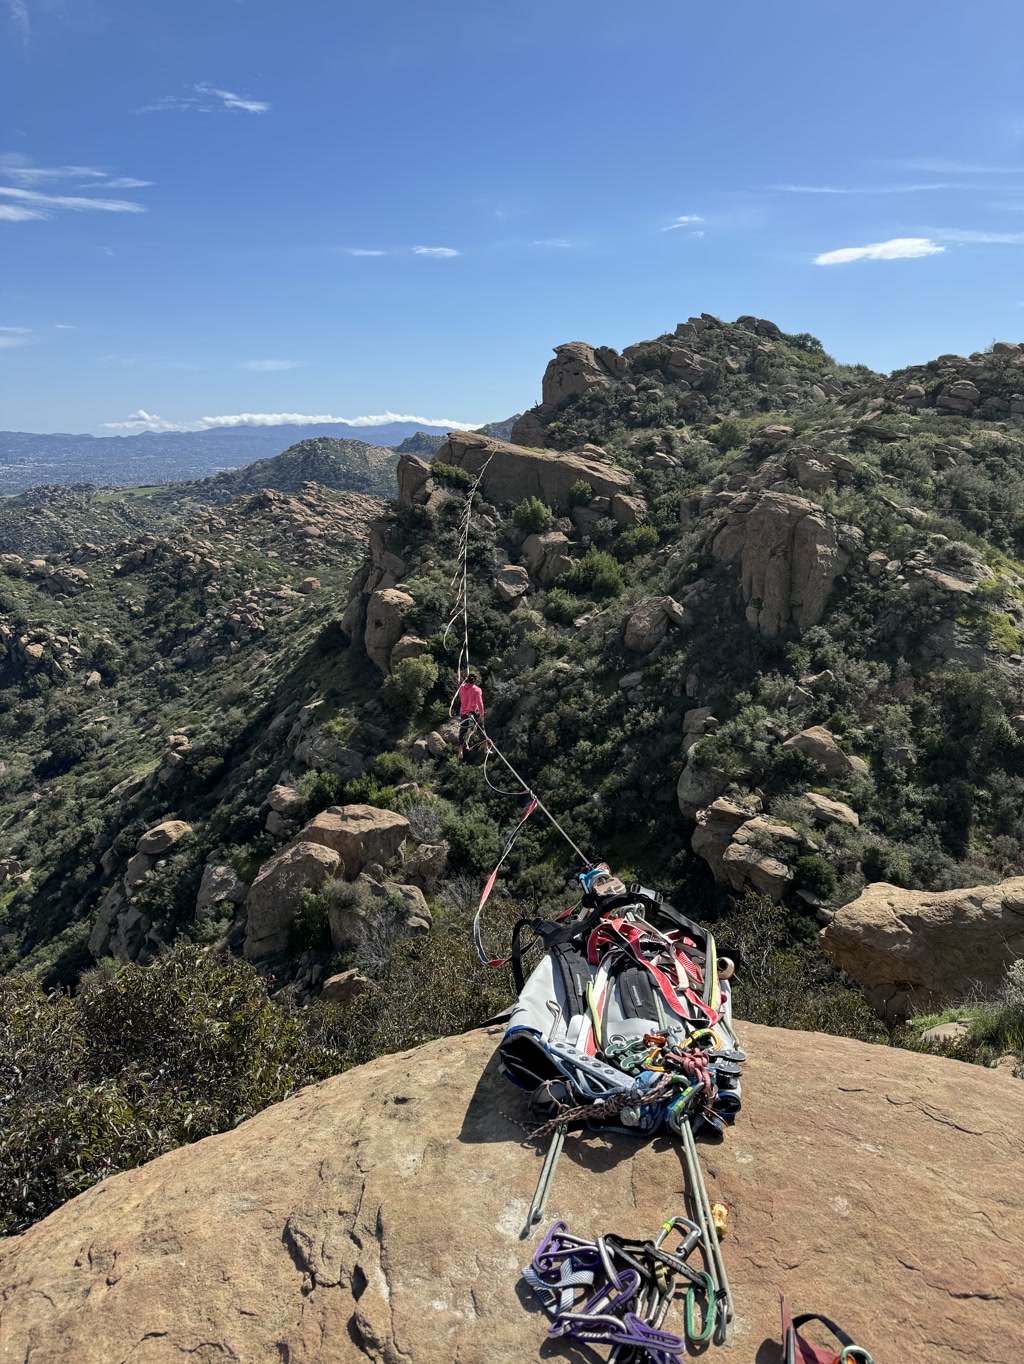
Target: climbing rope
461 577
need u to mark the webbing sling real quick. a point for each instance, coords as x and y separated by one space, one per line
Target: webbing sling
797 1350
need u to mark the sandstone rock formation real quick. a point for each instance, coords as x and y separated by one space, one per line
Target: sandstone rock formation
385 911
790 554
648 622
923 948
385 624
514 473
221 885
162 837
359 834
512 582
275 897
547 556
698 784
819 744
377 1217
825 811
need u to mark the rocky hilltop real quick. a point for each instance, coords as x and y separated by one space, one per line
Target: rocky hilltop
750 622
378 1216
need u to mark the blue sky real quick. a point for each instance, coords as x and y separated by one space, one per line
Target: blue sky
219 207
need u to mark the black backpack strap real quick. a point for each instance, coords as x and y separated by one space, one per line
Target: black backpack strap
575 972
828 1323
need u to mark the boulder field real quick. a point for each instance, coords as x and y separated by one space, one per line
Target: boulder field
378 1216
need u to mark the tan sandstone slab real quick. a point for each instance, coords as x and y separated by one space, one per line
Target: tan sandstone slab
377 1216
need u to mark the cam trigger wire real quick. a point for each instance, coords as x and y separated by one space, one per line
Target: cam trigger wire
461 607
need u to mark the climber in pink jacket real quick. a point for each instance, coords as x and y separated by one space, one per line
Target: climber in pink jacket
471 704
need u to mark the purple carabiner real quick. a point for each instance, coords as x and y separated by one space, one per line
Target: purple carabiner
559 1244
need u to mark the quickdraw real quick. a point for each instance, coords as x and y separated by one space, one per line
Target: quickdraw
616 1291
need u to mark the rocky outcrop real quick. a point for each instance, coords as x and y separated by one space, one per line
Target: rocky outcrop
275 897
414 481
122 930
221 885
514 473
547 556
427 865
163 837
824 811
647 624
819 744
920 949
344 988
576 369
512 582
378 913
715 828
385 624
748 866
359 834
377 1216
790 553
699 784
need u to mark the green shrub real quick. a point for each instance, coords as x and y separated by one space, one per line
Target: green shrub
142 1060
367 790
562 607
392 766
532 516
473 843
451 474
310 930
405 690
596 573
632 543
580 493
816 874
319 790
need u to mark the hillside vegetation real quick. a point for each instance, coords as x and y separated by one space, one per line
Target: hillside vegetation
755 632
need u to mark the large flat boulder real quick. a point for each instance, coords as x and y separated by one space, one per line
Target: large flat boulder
377 1216
922 948
514 472
359 834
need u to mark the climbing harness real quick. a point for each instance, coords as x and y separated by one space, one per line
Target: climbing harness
797 1350
617 1291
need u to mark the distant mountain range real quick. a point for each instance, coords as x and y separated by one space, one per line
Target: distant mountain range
28 460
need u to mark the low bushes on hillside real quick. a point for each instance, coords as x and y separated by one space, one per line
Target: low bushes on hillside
141 1060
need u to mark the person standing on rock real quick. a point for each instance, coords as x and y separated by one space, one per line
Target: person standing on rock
471 707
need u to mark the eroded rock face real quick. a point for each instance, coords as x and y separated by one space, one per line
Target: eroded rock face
515 473
648 622
275 897
413 480
698 785
915 948
547 556
789 553
381 1212
221 885
385 624
359 834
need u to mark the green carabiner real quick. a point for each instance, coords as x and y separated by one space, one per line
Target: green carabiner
710 1311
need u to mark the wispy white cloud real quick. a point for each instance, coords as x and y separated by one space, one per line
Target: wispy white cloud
64 327
206 99
863 189
18 11
969 236
11 337
127 182
560 242
11 213
898 248
938 166
268 366
148 421
14 166
440 252
77 203
684 220
362 251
